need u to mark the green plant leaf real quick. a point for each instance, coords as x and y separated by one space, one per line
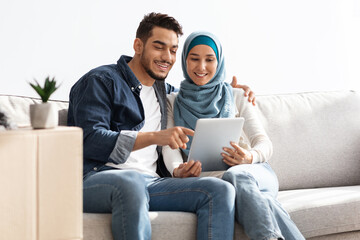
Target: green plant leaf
46 91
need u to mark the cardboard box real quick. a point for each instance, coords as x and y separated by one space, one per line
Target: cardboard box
41 182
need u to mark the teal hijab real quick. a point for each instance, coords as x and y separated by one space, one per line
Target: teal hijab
212 100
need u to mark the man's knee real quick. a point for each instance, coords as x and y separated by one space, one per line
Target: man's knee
131 178
129 184
120 185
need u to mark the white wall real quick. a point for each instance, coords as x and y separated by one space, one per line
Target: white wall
275 46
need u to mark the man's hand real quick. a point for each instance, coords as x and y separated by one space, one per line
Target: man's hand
175 137
248 93
188 169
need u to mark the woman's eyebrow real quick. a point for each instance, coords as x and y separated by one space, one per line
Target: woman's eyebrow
208 55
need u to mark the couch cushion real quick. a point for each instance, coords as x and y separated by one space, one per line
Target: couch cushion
323 211
316 212
316 137
164 225
339 236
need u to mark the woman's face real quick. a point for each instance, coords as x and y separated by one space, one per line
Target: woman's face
201 64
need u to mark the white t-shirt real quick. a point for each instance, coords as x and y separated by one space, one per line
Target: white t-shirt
144 160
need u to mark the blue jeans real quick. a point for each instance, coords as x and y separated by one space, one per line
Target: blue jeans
257 209
129 195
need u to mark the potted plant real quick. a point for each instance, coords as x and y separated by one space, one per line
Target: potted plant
45 114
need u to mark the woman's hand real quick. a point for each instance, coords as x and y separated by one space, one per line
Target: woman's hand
188 169
248 93
236 155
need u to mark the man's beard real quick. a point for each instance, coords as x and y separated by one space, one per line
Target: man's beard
145 63
153 75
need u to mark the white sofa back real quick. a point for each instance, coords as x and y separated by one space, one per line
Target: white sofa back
316 136
17 109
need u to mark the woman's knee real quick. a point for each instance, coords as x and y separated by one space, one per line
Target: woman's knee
219 188
258 178
238 176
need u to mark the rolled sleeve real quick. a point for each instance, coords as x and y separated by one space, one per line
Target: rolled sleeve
123 147
256 158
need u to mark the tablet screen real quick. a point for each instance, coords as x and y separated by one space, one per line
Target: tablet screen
211 135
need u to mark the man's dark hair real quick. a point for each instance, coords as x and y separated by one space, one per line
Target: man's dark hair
152 20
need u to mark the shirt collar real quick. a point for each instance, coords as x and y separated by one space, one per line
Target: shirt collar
128 74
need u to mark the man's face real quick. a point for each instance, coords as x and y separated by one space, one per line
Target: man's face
159 53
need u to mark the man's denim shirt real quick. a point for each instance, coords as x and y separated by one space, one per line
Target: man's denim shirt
106 104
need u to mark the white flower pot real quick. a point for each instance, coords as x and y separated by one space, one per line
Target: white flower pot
43 115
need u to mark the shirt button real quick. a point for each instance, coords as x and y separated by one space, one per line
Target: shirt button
140 86
132 88
95 168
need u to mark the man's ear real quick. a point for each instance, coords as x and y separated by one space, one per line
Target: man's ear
138 46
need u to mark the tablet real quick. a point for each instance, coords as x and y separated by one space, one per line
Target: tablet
211 135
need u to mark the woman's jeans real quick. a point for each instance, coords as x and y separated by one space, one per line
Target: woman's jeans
257 209
129 195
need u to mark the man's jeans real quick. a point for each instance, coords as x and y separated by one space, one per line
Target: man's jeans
257 209
129 195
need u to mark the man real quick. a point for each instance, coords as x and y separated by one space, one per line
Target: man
122 111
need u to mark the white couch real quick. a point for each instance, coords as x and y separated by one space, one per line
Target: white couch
316 139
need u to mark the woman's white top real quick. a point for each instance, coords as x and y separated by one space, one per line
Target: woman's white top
254 137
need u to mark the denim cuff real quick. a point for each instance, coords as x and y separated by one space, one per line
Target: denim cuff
123 147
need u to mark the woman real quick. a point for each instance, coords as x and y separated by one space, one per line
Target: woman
204 94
